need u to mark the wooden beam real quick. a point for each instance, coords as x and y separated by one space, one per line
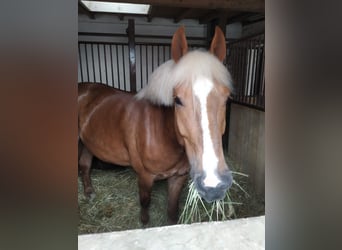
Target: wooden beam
183 15
121 16
221 21
90 14
213 14
150 14
239 18
131 46
238 5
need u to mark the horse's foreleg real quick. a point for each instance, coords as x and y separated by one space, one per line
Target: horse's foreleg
84 162
175 185
145 188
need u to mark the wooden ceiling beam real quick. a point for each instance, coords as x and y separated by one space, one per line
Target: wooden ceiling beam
239 18
150 14
84 8
236 5
183 15
213 14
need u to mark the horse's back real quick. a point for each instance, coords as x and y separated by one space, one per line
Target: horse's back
119 128
100 110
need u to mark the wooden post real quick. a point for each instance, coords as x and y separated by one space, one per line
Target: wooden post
221 21
132 59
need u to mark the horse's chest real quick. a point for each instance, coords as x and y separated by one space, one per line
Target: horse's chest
165 163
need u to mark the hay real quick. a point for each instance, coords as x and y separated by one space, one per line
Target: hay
116 205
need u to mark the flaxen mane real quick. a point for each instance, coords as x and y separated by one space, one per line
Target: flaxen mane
194 64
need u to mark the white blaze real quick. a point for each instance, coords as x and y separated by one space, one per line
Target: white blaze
202 88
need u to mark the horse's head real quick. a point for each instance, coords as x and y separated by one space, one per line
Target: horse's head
202 88
198 85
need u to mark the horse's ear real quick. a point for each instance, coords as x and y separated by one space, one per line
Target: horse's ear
218 44
179 45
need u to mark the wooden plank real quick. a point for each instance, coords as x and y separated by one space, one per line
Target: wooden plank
132 57
183 15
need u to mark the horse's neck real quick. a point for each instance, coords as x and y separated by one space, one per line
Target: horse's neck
169 116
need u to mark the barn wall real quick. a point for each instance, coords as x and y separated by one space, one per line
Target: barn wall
105 23
109 63
247 143
253 29
246 132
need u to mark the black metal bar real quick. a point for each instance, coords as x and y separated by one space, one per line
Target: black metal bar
247 38
141 72
254 44
132 56
111 63
80 58
92 58
249 50
87 63
243 70
262 85
262 108
146 64
158 55
259 68
247 95
123 67
105 60
137 35
239 71
117 65
225 136
165 49
99 59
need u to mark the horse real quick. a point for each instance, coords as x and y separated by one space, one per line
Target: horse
170 128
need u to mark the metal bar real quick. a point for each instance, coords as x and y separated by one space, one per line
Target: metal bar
92 58
250 94
80 58
260 70
123 67
164 53
249 50
261 108
257 70
101 34
117 65
146 64
111 63
87 63
244 67
254 65
99 59
152 57
132 56
239 70
105 60
141 71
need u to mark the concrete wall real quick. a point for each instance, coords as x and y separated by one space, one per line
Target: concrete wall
239 234
247 143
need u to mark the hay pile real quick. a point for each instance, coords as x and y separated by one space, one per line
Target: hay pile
116 205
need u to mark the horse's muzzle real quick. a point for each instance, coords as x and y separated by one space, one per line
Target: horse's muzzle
210 194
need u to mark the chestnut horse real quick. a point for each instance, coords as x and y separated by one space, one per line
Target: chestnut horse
171 127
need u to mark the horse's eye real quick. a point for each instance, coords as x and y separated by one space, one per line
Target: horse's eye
178 101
